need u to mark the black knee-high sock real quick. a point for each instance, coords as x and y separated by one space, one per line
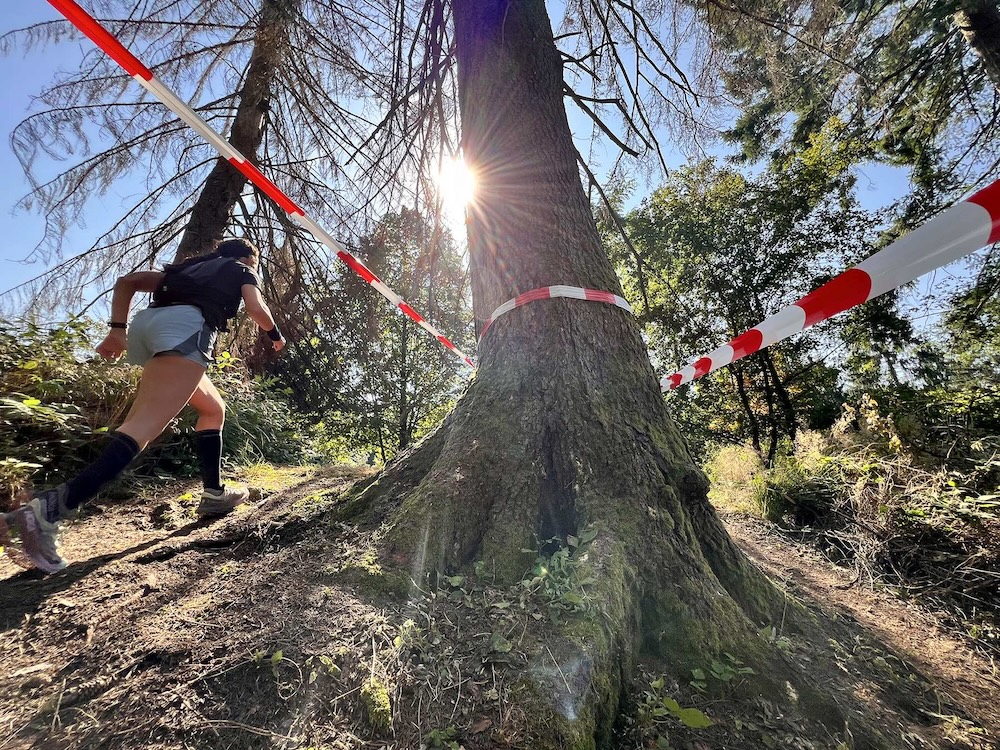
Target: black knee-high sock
209 446
112 462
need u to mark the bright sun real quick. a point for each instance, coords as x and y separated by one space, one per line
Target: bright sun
457 186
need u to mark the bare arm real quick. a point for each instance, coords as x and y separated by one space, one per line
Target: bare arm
125 289
260 313
121 300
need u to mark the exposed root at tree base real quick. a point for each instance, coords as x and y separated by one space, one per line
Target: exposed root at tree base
292 635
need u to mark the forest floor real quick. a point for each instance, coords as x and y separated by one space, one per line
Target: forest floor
275 627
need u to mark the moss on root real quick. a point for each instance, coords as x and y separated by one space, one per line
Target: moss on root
378 708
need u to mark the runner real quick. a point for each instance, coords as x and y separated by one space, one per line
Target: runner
173 339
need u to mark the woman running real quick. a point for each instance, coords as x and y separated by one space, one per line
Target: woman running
173 339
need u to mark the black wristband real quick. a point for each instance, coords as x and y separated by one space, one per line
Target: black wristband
274 334
115 324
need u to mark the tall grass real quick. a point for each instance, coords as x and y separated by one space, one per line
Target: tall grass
896 515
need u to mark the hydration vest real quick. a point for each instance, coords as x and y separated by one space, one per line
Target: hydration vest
199 285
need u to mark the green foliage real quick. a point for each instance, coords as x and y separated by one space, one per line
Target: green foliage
772 636
443 738
322 664
732 470
799 489
871 495
57 402
832 61
559 577
658 711
371 378
261 425
54 408
714 253
724 671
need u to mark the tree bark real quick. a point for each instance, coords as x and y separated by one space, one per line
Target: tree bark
564 426
979 22
212 212
781 393
403 415
741 389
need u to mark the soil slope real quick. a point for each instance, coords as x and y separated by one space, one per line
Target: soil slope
275 627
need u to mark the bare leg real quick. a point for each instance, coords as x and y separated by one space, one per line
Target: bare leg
207 401
166 386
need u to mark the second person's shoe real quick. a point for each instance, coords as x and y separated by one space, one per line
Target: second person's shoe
38 537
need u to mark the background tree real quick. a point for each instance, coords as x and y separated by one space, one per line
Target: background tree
720 253
371 375
277 78
917 81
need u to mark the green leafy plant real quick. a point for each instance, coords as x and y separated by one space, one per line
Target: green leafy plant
321 664
657 712
58 400
443 738
725 671
558 578
771 635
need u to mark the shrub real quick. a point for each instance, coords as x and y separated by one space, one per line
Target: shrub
867 499
57 401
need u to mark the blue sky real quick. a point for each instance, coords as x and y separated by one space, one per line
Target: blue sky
20 76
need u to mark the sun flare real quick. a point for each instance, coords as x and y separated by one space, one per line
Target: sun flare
456 185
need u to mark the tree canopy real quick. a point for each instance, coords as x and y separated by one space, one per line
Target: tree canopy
916 83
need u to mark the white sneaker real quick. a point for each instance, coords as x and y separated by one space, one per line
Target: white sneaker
220 502
39 539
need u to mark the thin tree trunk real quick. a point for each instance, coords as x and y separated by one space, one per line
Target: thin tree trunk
741 389
772 448
781 394
890 366
381 440
403 416
212 212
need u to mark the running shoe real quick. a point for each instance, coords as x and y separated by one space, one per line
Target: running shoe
220 502
37 537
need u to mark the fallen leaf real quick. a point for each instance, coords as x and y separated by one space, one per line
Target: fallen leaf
31 670
480 726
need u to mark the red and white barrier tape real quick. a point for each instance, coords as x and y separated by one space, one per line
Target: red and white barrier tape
144 76
960 230
549 292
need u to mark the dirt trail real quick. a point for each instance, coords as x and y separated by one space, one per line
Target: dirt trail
165 632
956 669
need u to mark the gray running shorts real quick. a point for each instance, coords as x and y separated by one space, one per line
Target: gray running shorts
179 329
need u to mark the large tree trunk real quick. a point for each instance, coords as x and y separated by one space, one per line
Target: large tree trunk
213 210
564 425
979 22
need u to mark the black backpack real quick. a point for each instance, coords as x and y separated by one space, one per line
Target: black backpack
199 285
